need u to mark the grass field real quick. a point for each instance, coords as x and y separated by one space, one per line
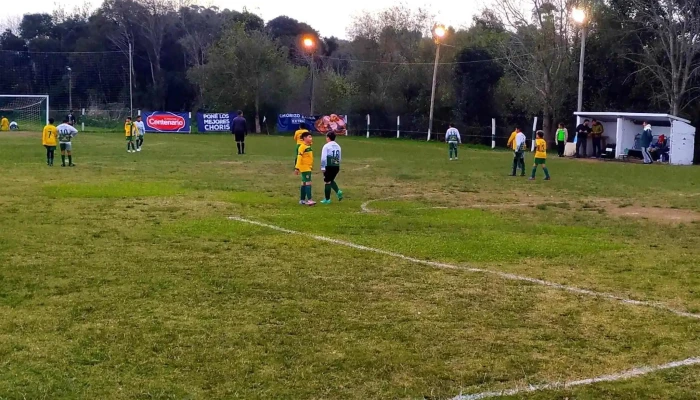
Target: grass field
125 278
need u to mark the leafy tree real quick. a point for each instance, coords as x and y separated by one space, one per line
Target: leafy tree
245 68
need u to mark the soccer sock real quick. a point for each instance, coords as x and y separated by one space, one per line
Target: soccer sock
308 192
302 193
238 146
455 152
243 148
334 186
327 191
63 159
48 156
546 172
70 159
534 171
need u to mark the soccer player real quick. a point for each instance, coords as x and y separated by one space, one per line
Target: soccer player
540 156
48 139
129 131
239 128
453 139
519 146
304 166
297 138
4 124
66 132
140 130
330 165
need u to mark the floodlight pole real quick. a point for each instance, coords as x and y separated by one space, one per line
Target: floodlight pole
580 67
131 85
432 93
313 78
70 88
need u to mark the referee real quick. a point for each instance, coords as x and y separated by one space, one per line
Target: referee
239 128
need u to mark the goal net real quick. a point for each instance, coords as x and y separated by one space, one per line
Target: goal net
25 112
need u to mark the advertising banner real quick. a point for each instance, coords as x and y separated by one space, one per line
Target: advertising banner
321 124
214 122
166 122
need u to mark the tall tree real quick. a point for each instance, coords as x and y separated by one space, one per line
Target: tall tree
670 33
538 51
245 68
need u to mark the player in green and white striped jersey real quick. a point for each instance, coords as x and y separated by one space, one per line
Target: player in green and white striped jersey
453 140
330 165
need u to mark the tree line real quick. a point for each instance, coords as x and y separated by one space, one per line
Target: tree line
517 59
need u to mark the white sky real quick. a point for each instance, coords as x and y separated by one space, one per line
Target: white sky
329 17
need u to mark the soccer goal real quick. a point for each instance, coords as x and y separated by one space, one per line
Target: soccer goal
25 112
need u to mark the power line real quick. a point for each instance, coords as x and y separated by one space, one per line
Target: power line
431 63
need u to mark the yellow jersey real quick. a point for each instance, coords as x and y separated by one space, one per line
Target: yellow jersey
129 128
297 136
540 148
305 158
511 140
4 124
48 137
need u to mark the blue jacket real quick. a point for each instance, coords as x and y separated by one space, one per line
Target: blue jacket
646 138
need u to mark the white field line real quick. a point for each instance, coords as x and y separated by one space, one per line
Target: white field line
504 275
632 373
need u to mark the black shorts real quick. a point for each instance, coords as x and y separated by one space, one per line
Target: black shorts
240 137
330 173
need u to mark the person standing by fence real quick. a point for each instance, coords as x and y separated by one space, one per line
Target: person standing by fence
561 137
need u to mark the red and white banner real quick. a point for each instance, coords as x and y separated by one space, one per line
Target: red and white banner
166 122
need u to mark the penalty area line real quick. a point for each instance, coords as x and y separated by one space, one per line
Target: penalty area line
504 275
631 373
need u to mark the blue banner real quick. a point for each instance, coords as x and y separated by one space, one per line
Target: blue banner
214 122
168 122
290 122
320 124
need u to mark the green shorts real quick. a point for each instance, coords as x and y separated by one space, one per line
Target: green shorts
129 138
306 177
540 161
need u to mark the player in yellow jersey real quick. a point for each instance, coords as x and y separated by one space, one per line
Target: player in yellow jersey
540 156
130 133
4 124
304 166
297 139
48 139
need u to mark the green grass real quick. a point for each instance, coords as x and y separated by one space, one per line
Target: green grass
123 277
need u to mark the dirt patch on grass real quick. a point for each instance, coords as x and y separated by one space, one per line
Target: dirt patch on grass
665 215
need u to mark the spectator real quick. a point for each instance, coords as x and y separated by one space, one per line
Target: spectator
561 138
71 117
582 132
645 142
597 131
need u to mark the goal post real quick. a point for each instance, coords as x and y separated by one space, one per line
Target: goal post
28 112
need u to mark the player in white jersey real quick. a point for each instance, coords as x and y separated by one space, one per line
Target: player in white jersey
330 165
140 132
453 139
66 133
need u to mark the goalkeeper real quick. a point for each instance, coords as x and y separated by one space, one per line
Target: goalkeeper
4 124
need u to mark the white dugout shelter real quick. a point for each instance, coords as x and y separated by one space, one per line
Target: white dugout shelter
622 129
